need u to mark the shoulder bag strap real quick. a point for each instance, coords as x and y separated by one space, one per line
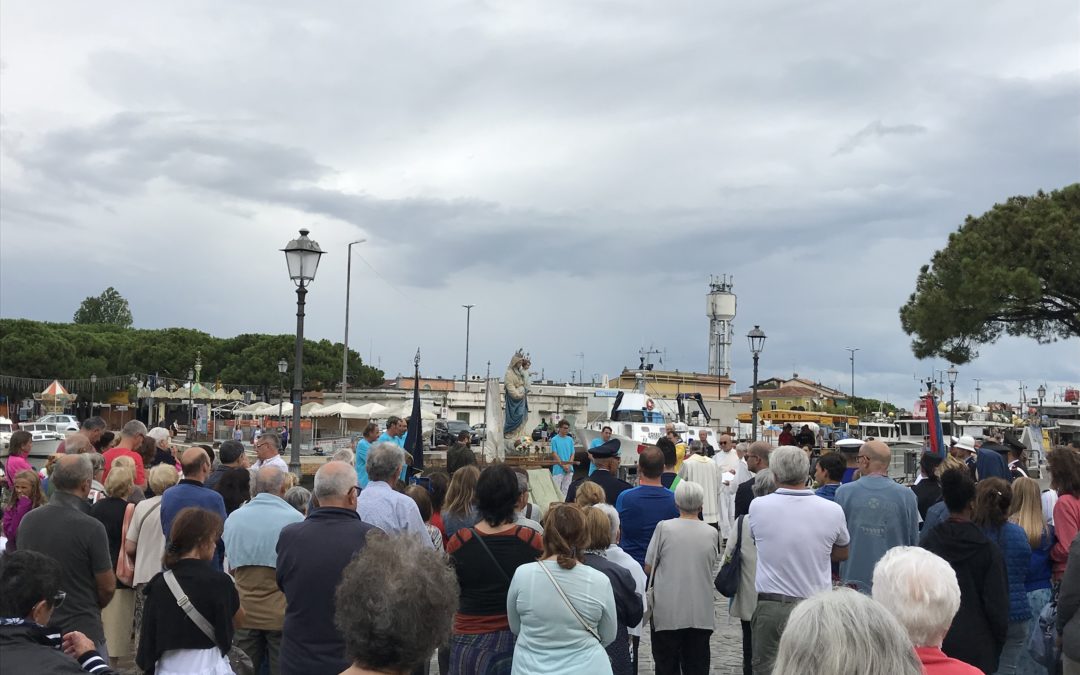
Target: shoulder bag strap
581 619
480 540
738 539
185 604
146 515
659 548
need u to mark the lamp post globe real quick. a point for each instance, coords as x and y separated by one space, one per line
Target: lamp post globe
302 257
756 337
93 395
1042 395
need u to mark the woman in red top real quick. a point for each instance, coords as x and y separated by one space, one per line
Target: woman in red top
1064 465
485 558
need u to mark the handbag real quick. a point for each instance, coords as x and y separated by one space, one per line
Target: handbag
1042 642
239 661
125 565
727 579
581 619
649 590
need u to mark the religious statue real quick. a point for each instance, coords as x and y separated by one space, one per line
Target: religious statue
516 390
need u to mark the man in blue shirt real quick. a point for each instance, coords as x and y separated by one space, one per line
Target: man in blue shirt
190 491
642 507
829 471
251 537
395 432
604 437
371 433
382 506
562 451
880 514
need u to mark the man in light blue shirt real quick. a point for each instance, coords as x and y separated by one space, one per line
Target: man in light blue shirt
251 538
604 437
562 451
371 434
395 432
380 505
880 514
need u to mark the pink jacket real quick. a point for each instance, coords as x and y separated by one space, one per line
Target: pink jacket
935 662
15 465
12 518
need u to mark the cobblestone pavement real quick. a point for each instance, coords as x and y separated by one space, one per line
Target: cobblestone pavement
726 644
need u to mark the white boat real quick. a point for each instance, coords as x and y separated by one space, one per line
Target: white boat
46 440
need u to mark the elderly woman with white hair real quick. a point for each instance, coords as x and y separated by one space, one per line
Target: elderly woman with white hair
920 589
682 558
843 632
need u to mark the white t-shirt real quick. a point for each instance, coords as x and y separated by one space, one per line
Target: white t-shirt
795 531
276 460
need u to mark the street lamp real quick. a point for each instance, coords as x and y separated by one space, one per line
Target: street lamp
852 350
348 287
1042 394
952 372
93 386
190 403
757 342
302 256
282 368
468 321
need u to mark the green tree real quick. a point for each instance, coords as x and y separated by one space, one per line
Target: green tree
1015 270
108 308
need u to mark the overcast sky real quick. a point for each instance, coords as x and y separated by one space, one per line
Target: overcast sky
576 170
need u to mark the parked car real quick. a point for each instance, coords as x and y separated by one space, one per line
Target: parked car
61 423
446 431
479 433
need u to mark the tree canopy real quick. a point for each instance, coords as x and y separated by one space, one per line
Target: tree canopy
109 308
1015 270
48 350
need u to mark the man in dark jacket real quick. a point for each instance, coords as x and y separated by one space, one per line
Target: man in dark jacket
757 458
978 631
311 556
231 455
460 453
29 592
605 457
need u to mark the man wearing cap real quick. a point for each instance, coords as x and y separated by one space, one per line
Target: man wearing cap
606 459
983 462
849 448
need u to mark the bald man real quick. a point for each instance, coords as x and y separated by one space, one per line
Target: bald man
190 491
880 514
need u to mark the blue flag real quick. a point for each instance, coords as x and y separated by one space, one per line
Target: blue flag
414 439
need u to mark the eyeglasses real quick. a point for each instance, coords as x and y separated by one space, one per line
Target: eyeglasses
58 599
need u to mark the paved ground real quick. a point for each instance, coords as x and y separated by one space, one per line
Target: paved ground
726 645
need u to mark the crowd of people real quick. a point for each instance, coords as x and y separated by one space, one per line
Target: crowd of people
127 548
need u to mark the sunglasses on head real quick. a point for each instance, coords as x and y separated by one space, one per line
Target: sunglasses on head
58 599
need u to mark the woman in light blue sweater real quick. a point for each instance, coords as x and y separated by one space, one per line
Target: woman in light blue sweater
562 611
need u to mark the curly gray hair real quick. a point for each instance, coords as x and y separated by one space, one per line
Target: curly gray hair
395 604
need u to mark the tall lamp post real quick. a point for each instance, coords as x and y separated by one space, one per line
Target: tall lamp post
93 395
348 286
757 342
952 373
1041 391
190 404
852 350
302 256
282 368
468 322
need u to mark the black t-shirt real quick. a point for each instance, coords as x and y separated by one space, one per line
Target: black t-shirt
483 587
166 626
110 511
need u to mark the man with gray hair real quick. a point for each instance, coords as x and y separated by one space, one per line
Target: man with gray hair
382 506
90 428
796 534
311 556
64 530
251 538
757 458
131 438
268 450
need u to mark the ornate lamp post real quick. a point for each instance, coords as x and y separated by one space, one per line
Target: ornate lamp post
468 322
302 256
952 372
757 342
93 396
190 403
1042 394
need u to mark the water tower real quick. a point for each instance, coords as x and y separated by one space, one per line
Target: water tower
720 308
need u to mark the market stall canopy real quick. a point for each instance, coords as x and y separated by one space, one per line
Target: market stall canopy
309 409
236 395
340 409
160 392
257 409
405 410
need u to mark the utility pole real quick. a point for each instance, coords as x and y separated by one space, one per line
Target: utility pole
977 390
581 373
348 287
468 322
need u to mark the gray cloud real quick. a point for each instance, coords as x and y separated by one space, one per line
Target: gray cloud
877 129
